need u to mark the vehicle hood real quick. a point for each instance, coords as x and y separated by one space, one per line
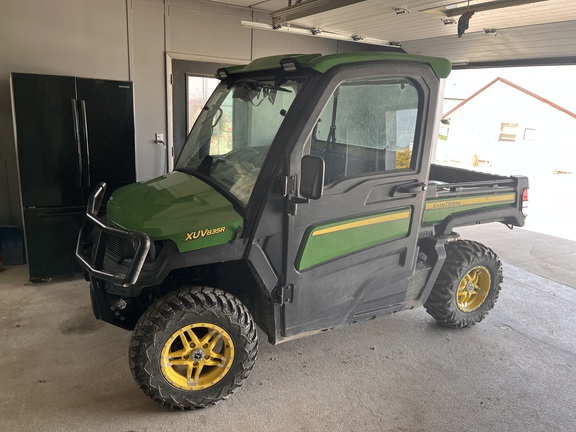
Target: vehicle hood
177 207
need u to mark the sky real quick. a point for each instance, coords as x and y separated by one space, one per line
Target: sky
555 83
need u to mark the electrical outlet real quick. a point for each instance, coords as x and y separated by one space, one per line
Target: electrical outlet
159 138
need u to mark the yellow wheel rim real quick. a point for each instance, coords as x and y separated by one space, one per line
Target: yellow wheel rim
473 289
197 356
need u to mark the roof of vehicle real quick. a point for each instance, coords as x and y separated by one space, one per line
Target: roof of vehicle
323 63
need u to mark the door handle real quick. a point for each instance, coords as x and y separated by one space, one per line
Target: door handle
86 143
76 127
293 204
410 189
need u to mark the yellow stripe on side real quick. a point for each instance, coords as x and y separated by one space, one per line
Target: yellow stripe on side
362 223
488 199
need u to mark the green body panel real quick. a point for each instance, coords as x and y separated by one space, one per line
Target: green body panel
176 207
325 242
322 64
439 209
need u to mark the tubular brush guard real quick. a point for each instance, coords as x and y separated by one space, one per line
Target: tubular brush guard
97 229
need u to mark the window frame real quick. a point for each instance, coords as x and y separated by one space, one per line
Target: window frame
418 138
529 134
508 132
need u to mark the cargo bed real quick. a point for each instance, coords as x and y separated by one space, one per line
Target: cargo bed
458 197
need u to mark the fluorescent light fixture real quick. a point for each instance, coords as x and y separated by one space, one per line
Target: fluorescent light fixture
307 8
313 32
401 11
458 8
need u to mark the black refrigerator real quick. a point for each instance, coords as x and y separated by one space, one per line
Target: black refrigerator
71 133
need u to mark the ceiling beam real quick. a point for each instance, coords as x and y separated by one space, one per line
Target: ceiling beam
322 34
478 7
307 8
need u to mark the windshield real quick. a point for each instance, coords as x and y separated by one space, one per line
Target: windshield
234 131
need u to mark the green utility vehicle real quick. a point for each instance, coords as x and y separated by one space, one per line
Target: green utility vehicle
304 199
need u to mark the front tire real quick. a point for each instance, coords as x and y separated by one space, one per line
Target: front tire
193 348
468 285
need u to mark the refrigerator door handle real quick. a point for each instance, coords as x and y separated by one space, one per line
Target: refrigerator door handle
76 126
85 140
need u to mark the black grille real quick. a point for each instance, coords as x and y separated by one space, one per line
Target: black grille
118 247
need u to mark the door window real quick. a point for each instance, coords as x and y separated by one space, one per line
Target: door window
367 127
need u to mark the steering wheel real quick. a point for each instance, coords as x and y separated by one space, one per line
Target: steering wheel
244 168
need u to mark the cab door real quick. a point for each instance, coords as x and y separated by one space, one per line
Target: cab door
351 254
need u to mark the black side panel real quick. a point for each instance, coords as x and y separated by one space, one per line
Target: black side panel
106 116
47 150
51 235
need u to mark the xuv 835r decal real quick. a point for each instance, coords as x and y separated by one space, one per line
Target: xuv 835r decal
326 242
204 233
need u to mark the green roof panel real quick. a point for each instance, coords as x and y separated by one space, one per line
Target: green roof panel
441 66
323 63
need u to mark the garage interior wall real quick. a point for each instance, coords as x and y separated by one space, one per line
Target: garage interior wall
126 40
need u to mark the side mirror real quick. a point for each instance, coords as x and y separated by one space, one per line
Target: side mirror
312 177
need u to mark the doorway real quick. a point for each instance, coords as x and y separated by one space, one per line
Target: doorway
192 84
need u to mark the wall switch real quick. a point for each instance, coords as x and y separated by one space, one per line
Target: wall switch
159 138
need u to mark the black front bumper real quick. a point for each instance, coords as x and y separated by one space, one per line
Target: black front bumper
95 236
112 284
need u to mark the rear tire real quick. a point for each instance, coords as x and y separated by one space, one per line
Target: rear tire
468 285
193 348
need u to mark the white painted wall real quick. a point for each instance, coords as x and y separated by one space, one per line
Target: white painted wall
149 76
125 40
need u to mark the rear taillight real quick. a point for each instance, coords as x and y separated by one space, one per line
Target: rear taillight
525 198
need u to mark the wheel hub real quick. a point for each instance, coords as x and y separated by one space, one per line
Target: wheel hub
473 289
197 356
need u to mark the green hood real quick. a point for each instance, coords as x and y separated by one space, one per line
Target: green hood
178 207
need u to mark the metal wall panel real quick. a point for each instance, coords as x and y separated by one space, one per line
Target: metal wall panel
543 41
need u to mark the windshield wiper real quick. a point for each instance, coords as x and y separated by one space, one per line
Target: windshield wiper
205 165
273 87
251 90
203 168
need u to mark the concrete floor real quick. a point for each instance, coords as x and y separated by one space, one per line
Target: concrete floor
61 370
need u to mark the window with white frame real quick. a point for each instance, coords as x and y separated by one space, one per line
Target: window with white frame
508 132
529 134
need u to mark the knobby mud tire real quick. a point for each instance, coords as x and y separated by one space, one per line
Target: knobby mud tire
462 257
179 310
